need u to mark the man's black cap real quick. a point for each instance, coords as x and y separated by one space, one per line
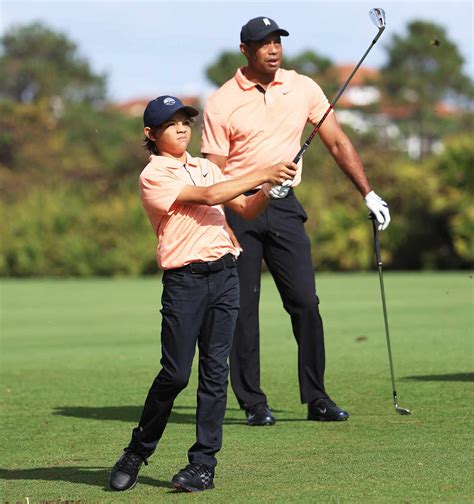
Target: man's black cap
258 28
159 110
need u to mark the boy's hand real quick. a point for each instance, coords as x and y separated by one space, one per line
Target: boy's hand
280 172
275 191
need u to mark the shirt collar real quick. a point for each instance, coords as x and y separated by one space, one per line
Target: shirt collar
168 162
247 84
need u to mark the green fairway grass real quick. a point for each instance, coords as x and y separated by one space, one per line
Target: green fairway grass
78 357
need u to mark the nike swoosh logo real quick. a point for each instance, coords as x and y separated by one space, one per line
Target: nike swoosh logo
205 174
322 411
285 92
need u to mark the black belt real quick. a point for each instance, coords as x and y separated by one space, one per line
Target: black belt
200 268
255 191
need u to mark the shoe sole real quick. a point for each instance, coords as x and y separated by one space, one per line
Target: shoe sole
264 424
123 489
189 489
322 419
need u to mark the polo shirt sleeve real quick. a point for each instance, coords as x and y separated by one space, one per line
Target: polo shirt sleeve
318 102
159 190
217 175
215 132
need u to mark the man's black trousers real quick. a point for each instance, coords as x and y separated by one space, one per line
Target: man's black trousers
278 237
198 308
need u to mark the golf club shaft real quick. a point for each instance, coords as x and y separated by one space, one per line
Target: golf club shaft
336 98
384 305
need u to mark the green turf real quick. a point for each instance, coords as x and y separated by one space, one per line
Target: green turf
78 357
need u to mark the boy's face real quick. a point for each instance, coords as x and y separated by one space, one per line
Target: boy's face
172 137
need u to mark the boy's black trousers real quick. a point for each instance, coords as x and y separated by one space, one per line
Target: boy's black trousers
278 237
202 308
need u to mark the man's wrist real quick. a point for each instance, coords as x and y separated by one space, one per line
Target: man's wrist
368 193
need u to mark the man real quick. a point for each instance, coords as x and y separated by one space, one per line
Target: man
254 119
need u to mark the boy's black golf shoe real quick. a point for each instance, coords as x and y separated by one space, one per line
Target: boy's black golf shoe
194 478
325 410
124 474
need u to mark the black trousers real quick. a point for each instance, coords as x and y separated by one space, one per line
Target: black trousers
278 237
198 308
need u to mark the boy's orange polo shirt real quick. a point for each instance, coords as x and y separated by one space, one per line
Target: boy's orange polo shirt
186 233
244 123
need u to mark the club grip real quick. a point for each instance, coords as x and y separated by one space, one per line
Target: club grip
378 256
302 150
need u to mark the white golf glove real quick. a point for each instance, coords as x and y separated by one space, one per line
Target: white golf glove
379 208
277 191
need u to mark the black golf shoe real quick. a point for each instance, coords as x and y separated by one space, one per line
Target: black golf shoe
260 414
325 410
124 474
194 478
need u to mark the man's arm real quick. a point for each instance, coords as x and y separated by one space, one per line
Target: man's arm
220 161
342 150
344 153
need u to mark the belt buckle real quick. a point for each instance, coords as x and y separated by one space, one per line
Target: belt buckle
217 265
197 268
201 268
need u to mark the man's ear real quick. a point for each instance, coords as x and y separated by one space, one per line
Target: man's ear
244 50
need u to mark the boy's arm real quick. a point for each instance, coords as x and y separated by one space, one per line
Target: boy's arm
224 192
248 207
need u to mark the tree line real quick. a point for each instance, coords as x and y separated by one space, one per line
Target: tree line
69 162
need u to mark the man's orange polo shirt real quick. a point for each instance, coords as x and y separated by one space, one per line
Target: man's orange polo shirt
255 129
186 233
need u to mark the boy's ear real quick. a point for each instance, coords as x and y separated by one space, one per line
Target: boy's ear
147 131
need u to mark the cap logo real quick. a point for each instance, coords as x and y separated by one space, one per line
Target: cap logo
266 21
169 101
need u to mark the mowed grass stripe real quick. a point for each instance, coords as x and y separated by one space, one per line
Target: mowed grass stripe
78 357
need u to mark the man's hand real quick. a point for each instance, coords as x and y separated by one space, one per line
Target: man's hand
379 208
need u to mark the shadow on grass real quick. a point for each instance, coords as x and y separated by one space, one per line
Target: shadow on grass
122 413
132 414
460 377
94 476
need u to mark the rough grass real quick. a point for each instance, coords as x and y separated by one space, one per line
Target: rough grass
78 357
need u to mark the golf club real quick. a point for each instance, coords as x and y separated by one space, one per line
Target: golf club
377 15
378 258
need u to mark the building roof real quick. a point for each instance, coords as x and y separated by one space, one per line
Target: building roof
136 106
361 91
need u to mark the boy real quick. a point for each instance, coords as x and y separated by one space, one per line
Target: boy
182 197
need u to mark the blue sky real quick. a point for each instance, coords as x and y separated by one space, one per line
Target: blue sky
150 47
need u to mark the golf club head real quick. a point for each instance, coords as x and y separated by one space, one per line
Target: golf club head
377 15
402 411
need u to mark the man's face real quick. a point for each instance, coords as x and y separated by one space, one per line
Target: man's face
264 56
